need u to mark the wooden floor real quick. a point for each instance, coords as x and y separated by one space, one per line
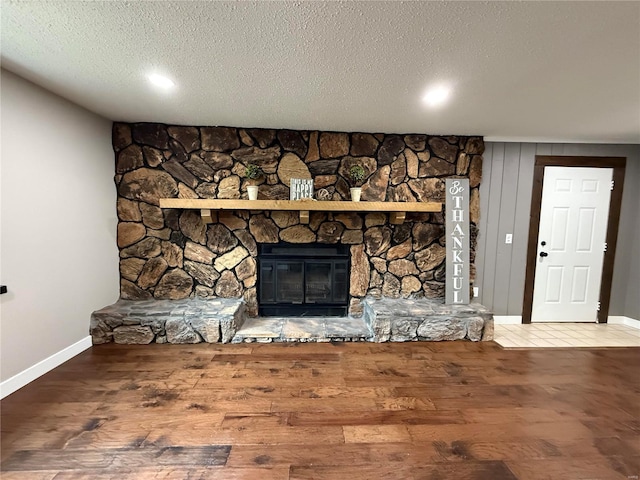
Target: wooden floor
350 411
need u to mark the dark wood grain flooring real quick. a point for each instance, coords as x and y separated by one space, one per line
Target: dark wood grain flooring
452 410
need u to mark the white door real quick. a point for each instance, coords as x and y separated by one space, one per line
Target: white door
571 244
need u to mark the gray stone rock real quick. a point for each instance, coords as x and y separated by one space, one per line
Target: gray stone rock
442 328
133 334
178 331
474 328
404 329
207 327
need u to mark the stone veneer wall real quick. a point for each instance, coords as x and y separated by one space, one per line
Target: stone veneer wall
172 254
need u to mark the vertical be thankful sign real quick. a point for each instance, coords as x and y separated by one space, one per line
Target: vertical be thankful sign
457 260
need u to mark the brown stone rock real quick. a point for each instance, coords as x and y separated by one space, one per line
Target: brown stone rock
220 239
263 229
151 272
298 234
198 253
376 280
146 248
391 286
172 254
424 156
245 138
292 141
130 291
322 181
219 139
433 289
217 160
179 153
401 233
152 216
315 219
398 170
475 171
474 145
349 219
428 189
291 166
152 156
330 232
352 237
390 149
375 189
251 301
147 185
443 149
334 145
129 159
399 251
401 193
474 206
174 285
120 136
462 165
416 142
192 226
273 192
186 192
247 241
188 137
203 292
368 163
324 167
228 285
266 159
373 219
246 268
342 190
377 240
176 169
313 153
130 268
229 187
380 264
356 308
264 137
231 221
363 145
430 257
285 219
180 332
164 234
172 218
207 190
436 167
360 271
199 168
133 335
230 259
152 134
402 268
412 163
203 274
424 234
128 211
410 285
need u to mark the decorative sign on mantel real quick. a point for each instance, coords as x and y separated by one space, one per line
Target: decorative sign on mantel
457 231
300 188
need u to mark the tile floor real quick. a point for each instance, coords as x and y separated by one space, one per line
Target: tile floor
545 335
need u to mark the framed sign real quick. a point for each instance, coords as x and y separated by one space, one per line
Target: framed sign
458 245
300 188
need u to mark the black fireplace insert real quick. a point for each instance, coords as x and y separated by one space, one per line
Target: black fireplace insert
303 280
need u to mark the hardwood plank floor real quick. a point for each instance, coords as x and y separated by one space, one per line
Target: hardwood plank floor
451 410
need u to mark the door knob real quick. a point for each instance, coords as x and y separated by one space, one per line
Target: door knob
544 254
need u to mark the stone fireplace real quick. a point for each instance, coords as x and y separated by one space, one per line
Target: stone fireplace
171 254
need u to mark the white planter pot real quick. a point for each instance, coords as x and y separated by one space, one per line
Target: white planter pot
252 190
355 194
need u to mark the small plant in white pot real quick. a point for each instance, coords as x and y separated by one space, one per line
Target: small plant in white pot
357 175
252 173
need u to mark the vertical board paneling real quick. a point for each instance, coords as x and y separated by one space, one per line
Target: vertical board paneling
505 225
482 225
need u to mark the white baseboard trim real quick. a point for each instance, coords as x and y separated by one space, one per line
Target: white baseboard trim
629 322
30 374
507 319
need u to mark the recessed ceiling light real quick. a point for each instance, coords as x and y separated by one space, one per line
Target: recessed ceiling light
436 96
161 81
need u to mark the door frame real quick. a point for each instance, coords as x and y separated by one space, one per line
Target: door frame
618 165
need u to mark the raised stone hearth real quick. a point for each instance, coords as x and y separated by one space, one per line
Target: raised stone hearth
223 320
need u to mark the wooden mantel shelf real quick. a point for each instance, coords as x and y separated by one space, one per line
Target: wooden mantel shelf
209 206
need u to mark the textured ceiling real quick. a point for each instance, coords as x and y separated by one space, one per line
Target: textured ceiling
531 71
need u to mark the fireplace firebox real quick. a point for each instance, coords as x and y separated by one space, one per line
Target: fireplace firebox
303 280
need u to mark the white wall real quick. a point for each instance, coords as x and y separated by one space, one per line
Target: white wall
58 223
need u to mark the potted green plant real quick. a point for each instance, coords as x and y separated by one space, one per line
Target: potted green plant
357 174
252 173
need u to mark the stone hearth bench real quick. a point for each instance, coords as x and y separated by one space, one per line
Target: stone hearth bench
192 320
409 319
